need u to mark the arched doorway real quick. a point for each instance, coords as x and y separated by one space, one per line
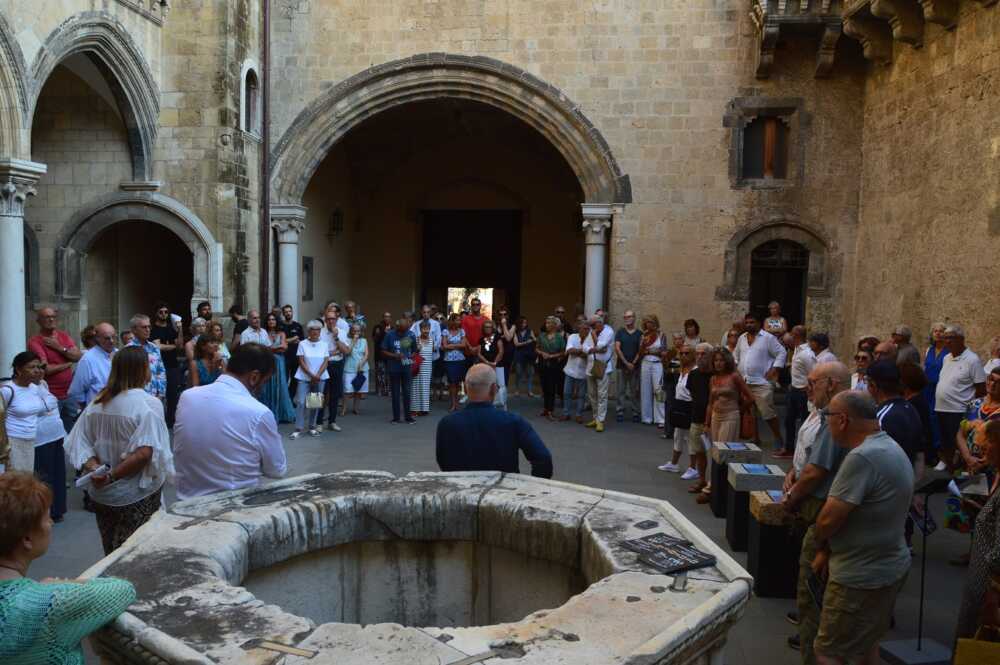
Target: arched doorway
778 272
440 194
133 264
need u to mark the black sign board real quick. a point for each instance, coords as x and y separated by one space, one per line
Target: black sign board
646 525
668 554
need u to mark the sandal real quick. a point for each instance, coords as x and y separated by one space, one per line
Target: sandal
697 488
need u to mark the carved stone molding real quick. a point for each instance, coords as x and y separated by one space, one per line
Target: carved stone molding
874 35
821 18
906 20
17 183
942 12
828 48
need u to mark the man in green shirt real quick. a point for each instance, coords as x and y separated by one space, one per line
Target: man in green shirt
860 546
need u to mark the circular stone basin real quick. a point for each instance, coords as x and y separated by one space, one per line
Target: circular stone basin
442 568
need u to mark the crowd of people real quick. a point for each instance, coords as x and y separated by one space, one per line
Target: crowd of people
202 408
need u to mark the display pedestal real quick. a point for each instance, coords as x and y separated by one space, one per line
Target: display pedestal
722 454
742 481
772 548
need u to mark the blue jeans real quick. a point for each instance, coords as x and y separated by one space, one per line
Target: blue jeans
302 414
400 382
524 368
574 395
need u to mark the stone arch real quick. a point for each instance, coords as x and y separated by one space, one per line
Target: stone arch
13 96
442 75
736 271
82 230
107 43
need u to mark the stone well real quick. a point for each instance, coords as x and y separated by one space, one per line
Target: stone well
435 568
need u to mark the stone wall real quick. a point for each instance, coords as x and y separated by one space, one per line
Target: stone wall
82 140
930 195
655 80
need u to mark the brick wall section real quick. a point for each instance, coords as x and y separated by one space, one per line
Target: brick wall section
930 192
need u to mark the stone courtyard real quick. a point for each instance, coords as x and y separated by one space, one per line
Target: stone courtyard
623 459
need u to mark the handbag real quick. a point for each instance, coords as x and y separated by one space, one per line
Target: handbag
314 401
660 394
748 424
680 414
983 648
599 368
358 382
417 361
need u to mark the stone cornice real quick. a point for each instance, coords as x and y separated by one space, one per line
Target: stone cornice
157 9
818 17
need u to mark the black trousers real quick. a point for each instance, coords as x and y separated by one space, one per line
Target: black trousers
949 423
401 383
551 382
50 465
796 407
334 389
175 377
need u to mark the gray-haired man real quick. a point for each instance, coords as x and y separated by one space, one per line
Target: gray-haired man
627 343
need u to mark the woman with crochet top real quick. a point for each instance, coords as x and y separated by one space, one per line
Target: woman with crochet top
43 622
123 428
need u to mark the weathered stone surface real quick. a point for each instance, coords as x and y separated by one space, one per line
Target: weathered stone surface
768 511
502 529
743 481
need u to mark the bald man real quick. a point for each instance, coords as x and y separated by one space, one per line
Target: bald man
484 438
95 366
58 352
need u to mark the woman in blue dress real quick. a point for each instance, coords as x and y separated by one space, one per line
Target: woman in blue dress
274 393
206 363
933 359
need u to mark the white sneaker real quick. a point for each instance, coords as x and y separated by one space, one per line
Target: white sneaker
295 435
690 474
669 466
941 466
319 428
465 398
334 427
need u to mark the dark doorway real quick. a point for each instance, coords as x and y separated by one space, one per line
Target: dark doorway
473 248
778 272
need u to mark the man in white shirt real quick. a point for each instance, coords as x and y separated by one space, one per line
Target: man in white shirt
254 333
575 383
759 355
425 315
796 407
224 438
962 380
599 347
336 334
94 368
819 344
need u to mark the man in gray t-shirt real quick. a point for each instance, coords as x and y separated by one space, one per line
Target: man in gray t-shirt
860 546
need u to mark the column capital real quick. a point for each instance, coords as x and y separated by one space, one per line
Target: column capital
289 221
17 182
596 222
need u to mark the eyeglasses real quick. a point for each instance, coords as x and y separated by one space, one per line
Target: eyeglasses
862 357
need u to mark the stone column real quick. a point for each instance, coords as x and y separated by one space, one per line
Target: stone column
596 222
288 221
17 180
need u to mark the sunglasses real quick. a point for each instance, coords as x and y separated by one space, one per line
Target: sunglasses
861 357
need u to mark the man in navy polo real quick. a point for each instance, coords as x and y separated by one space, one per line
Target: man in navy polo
484 438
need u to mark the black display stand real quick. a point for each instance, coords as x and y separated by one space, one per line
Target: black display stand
921 651
773 558
720 488
737 517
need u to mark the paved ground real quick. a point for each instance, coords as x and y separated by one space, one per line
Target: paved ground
623 458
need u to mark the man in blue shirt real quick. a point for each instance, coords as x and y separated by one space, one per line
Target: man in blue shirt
398 349
484 438
92 371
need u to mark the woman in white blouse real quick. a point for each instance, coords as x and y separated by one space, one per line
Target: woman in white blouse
313 356
123 428
50 458
23 403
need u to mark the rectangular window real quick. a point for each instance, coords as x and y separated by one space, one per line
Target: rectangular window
307 278
765 149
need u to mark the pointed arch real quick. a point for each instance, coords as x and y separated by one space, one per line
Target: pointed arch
107 43
736 272
542 106
13 96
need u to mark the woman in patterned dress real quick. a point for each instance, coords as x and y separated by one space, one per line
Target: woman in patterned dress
274 393
422 381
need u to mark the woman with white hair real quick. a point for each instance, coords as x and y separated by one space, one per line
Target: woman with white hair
775 323
355 365
993 358
313 355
